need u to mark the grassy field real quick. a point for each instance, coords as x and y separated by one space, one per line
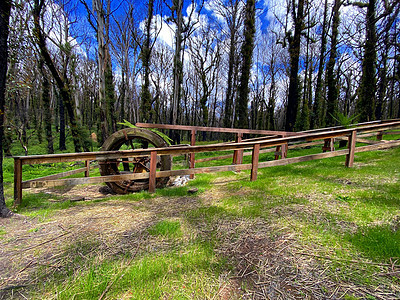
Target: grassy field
301 231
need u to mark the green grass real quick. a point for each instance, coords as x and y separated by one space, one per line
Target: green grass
177 274
41 205
166 228
380 243
2 232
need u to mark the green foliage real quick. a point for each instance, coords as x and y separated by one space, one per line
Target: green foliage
344 120
343 198
162 135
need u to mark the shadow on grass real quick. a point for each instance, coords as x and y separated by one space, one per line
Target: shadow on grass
42 204
377 242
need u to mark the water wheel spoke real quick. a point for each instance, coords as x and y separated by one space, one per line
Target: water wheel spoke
132 137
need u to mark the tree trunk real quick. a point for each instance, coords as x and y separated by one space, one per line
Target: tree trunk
61 146
366 103
178 68
331 111
247 56
147 114
46 107
61 82
5 9
294 53
317 116
233 28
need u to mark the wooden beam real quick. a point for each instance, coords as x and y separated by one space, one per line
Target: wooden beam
295 146
392 132
26 184
352 147
192 157
237 154
153 170
379 146
254 162
379 135
87 167
84 180
17 181
214 129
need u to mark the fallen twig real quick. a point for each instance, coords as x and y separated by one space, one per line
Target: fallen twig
45 242
349 260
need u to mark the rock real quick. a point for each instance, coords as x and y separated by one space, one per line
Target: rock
180 180
193 190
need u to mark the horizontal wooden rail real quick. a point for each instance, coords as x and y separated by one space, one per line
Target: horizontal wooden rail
215 129
296 146
242 167
27 184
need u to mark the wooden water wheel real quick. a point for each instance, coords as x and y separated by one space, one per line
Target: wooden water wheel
133 138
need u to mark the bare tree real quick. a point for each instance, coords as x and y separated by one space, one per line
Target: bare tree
232 13
317 116
61 79
183 29
297 12
332 99
5 9
247 59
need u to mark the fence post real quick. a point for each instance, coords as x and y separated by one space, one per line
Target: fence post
87 166
352 148
238 154
379 136
192 143
254 162
329 145
284 149
153 170
17 181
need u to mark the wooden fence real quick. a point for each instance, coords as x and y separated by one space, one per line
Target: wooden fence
281 141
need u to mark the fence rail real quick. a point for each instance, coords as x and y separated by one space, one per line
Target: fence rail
283 143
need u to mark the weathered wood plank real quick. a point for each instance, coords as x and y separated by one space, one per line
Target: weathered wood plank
352 147
238 154
86 180
380 146
153 170
213 129
192 155
17 181
87 167
254 162
361 140
26 184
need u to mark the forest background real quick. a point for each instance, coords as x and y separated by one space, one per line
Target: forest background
293 65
